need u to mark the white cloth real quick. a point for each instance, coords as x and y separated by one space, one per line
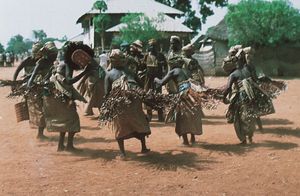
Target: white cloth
103 60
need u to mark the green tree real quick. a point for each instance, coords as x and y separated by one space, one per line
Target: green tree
101 21
190 15
139 26
17 44
39 35
263 23
2 48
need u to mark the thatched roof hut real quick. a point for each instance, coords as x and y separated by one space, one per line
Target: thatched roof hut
282 60
218 32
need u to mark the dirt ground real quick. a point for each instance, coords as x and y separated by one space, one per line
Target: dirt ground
214 166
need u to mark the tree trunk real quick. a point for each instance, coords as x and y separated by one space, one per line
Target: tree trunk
102 37
102 41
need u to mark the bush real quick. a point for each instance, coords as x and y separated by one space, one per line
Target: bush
263 23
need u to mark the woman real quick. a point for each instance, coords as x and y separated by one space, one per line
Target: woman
130 121
60 95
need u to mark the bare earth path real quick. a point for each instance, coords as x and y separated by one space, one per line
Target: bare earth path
215 166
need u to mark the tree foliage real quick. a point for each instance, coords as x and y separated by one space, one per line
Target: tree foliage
17 44
39 35
263 23
1 48
100 5
139 26
190 14
101 21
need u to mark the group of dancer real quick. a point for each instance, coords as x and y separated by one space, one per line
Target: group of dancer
133 82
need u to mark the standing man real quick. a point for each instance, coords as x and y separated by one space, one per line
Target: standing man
103 60
2 59
8 60
195 70
137 64
174 59
156 66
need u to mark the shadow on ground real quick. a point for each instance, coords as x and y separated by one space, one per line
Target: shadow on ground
173 160
215 117
211 122
168 161
90 128
87 154
276 121
282 131
237 149
80 139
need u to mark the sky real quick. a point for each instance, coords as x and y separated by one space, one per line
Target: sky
58 17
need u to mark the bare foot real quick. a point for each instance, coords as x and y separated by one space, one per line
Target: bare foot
61 148
185 144
72 149
144 151
121 156
250 140
42 137
243 143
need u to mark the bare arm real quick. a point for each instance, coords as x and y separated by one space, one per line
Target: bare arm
232 78
19 68
170 75
36 69
88 69
107 85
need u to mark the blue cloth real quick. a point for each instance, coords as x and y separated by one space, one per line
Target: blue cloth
184 86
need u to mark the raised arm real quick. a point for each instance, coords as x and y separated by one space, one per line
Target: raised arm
37 68
19 68
231 79
88 69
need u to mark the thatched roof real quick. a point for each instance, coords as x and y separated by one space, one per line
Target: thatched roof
218 32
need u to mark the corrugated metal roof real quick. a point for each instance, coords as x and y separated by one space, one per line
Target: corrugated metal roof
137 6
134 6
168 24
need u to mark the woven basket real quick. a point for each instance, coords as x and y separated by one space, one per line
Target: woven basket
22 111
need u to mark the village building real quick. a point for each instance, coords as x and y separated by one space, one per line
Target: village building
282 60
116 9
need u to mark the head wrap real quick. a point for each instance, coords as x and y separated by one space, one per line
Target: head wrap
234 49
152 42
124 44
117 57
229 64
175 38
188 49
138 45
49 51
36 47
248 50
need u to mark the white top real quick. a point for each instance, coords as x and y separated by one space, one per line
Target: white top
103 60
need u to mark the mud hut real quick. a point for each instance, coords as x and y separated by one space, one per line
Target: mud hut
282 60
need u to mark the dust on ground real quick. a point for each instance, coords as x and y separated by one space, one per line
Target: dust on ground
214 166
